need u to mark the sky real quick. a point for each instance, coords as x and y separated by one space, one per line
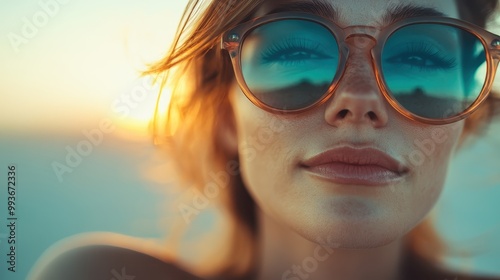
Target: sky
66 63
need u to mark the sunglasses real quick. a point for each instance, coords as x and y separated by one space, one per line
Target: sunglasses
435 70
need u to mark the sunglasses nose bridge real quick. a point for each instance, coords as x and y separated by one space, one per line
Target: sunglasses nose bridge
361 37
362 31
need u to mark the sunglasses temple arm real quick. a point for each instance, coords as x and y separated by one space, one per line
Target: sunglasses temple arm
494 47
495 53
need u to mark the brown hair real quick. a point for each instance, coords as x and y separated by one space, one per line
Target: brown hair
200 75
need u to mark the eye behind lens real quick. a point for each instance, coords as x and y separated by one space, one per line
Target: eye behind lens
289 64
434 71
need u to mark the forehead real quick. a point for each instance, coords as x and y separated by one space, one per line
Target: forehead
365 12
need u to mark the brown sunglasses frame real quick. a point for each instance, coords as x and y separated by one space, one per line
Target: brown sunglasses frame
232 42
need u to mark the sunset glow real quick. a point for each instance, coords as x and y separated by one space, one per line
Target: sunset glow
68 64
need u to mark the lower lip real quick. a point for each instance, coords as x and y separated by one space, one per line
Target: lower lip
350 174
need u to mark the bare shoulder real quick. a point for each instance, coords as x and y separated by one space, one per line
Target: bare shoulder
106 256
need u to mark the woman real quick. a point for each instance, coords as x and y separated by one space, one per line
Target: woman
321 131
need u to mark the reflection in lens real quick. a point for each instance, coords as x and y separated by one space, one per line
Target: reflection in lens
434 70
289 64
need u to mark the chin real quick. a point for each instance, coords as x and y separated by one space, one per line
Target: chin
351 225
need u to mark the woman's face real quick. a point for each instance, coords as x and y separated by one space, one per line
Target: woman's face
377 174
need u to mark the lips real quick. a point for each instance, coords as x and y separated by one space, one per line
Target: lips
350 166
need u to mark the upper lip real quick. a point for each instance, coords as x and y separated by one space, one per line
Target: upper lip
356 156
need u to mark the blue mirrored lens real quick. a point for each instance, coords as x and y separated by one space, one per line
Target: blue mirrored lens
289 64
435 71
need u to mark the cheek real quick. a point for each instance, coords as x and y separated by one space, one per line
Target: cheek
429 159
267 144
262 156
258 132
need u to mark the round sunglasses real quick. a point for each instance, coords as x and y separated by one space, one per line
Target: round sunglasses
435 70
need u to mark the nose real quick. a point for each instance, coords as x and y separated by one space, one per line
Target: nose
357 98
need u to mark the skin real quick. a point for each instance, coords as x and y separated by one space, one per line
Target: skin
303 210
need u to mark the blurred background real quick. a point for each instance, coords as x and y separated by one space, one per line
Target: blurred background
75 121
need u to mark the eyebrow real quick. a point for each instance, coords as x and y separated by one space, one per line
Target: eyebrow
328 10
401 12
317 7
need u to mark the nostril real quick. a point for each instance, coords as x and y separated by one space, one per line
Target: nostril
372 116
342 114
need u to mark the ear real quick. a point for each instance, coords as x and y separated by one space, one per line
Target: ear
227 134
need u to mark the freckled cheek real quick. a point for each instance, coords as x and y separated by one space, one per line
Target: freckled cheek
445 147
267 158
437 149
263 144
264 151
